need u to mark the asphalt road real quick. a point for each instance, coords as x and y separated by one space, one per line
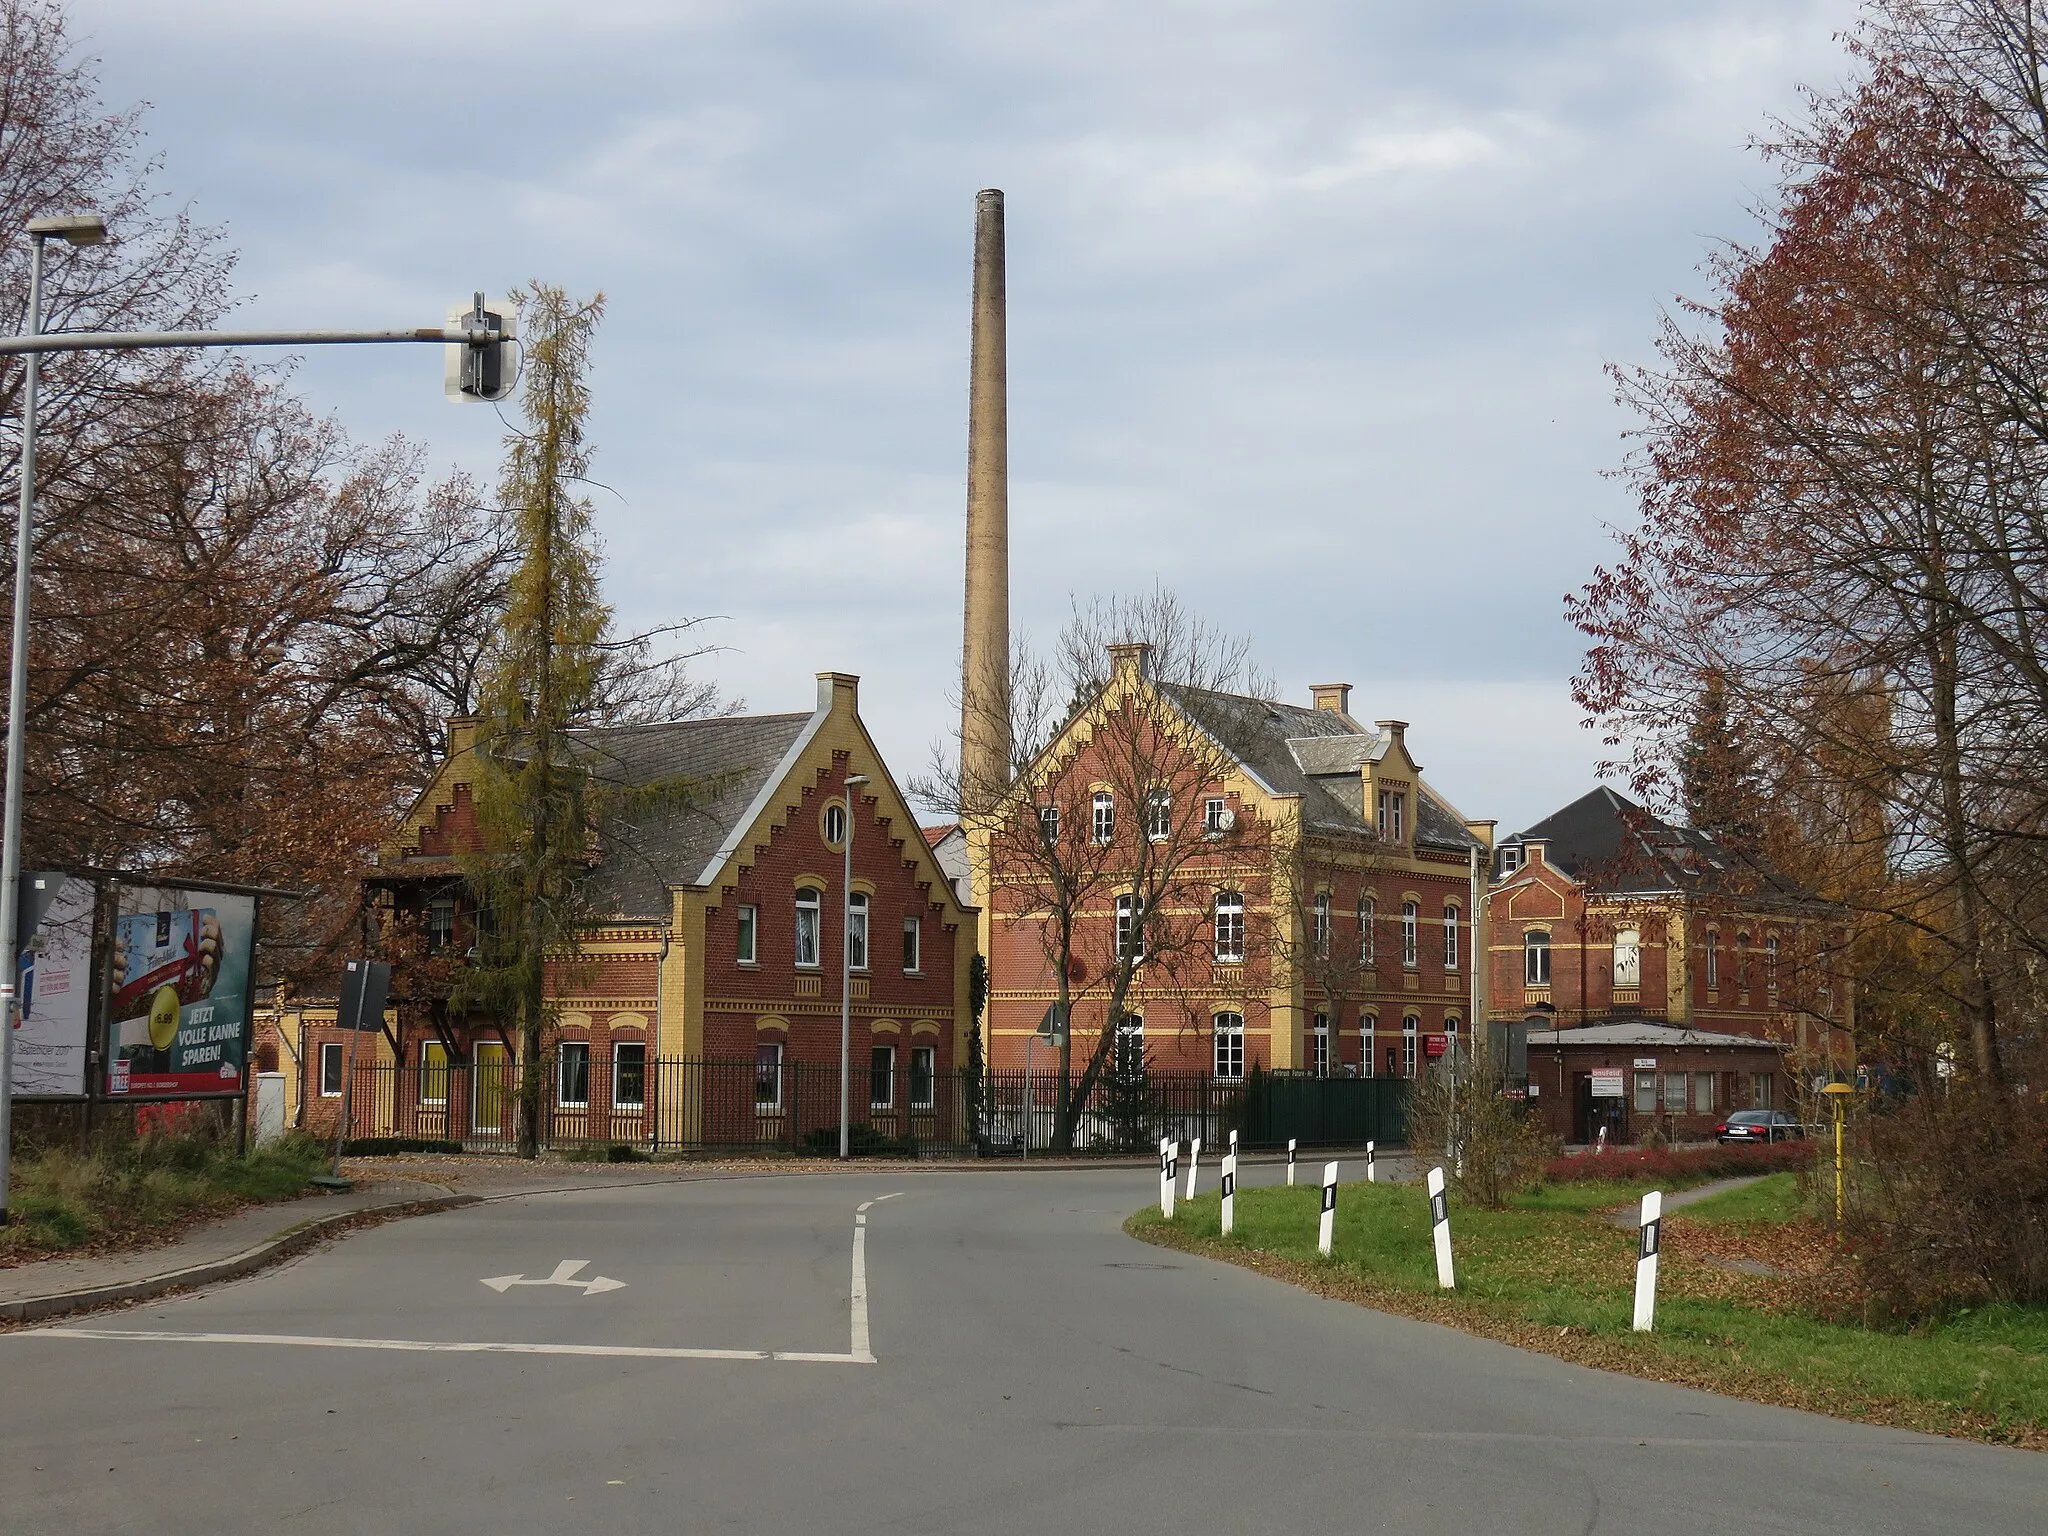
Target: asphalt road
1033 1371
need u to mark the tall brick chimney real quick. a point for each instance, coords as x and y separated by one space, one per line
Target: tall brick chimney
985 644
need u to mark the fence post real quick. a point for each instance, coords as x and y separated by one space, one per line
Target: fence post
1646 1260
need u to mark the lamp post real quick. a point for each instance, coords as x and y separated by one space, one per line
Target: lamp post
76 229
852 782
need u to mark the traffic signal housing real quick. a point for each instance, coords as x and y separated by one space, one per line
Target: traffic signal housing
486 371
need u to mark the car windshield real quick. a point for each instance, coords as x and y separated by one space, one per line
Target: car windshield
1751 1117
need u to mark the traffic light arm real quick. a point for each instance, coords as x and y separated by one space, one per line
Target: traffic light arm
128 341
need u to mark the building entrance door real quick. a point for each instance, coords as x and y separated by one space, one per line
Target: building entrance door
493 1090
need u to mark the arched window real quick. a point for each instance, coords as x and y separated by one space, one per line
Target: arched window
1158 815
1321 931
1628 958
808 903
1411 1026
1049 825
1129 945
1229 925
1367 1023
1536 958
1450 936
1742 962
1366 918
1713 958
1771 962
1411 916
1105 816
1319 1046
1130 1048
857 932
1230 1045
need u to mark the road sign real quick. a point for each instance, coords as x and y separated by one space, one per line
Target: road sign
1053 1026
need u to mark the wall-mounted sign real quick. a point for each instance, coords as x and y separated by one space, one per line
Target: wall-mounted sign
1646 1063
1608 1084
1435 1045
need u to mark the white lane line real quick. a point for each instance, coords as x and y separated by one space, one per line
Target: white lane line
418 1346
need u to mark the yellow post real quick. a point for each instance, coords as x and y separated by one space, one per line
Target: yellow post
1837 1094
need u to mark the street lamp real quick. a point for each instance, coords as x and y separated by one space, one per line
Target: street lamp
76 229
852 782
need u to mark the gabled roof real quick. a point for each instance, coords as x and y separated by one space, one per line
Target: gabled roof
1316 754
1606 841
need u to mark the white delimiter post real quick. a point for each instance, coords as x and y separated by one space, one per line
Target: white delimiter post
1326 1238
1229 1192
1194 1164
1370 1176
1440 1229
1233 1143
1290 1162
1646 1261
1167 1147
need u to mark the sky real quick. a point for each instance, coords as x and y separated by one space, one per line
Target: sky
1310 301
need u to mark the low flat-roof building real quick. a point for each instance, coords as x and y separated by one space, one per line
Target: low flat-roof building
1632 1075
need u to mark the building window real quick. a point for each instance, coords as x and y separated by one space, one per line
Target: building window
1216 819
857 931
1159 815
440 924
629 1074
746 934
1628 958
1130 1047
768 1075
1674 1093
1536 959
1742 962
1128 944
1365 1043
1763 1091
882 1077
330 1069
1410 922
1321 933
1450 937
924 1063
835 825
913 945
1319 1046
1703 1093
1230 1045
572 1073
1393 815
433 1072
1713 959
1771 962
1411 1026
1510 860
1646 1093
1367 914
1049 825
808 901
1229 926
1105 816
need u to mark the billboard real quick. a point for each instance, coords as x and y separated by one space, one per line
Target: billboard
55 984
178 993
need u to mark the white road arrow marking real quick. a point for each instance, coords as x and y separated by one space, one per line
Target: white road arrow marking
565 1274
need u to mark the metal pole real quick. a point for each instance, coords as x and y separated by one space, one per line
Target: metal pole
134 341
1838 1160
17 709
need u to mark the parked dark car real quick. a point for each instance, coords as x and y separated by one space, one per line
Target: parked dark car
1767 1125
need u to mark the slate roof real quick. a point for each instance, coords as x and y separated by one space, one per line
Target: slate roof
738 753
1314 753
1633 1032
1607 841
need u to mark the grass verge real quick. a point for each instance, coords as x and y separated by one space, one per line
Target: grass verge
1741 1288
119 1196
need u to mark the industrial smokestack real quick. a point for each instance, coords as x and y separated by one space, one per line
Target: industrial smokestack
985 647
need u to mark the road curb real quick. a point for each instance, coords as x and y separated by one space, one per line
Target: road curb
283 1245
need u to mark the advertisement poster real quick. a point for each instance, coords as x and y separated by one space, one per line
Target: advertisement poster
56 985
179 994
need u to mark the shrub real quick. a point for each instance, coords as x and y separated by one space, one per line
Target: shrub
861 1141
388 1146
1653 1163
1492 1145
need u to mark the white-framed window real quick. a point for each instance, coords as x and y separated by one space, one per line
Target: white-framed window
1103 821
1393 815
1129 943
1229 926
1368 914
913 945
1742 962
440 924
1049 825
1703 1093
857 931
809 901
1321 929
1159 815
1674 1093
629 1074
1510 859
1229 1028
1536 958
746 934
1319 1046
330 1069
433 1072
835 824
1411 923
572 1073
1367 1023
1713 959
1771 962
1763 1091
1450 936
1216 816
1411 1027
1628 957
882 1077
1646 1093
768 1074
924 1073
1130 1046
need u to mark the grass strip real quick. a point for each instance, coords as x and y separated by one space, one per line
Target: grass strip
1551 1274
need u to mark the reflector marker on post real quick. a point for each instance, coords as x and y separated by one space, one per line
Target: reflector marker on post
1194 1164
1169 1153
1371 1176
1327 1236
1229 1192
1646 1260
1440 1229
1290 1162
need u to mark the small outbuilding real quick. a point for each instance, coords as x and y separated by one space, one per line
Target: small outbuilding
1630 1075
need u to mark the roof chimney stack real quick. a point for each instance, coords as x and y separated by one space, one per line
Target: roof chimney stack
1334 697
985 647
